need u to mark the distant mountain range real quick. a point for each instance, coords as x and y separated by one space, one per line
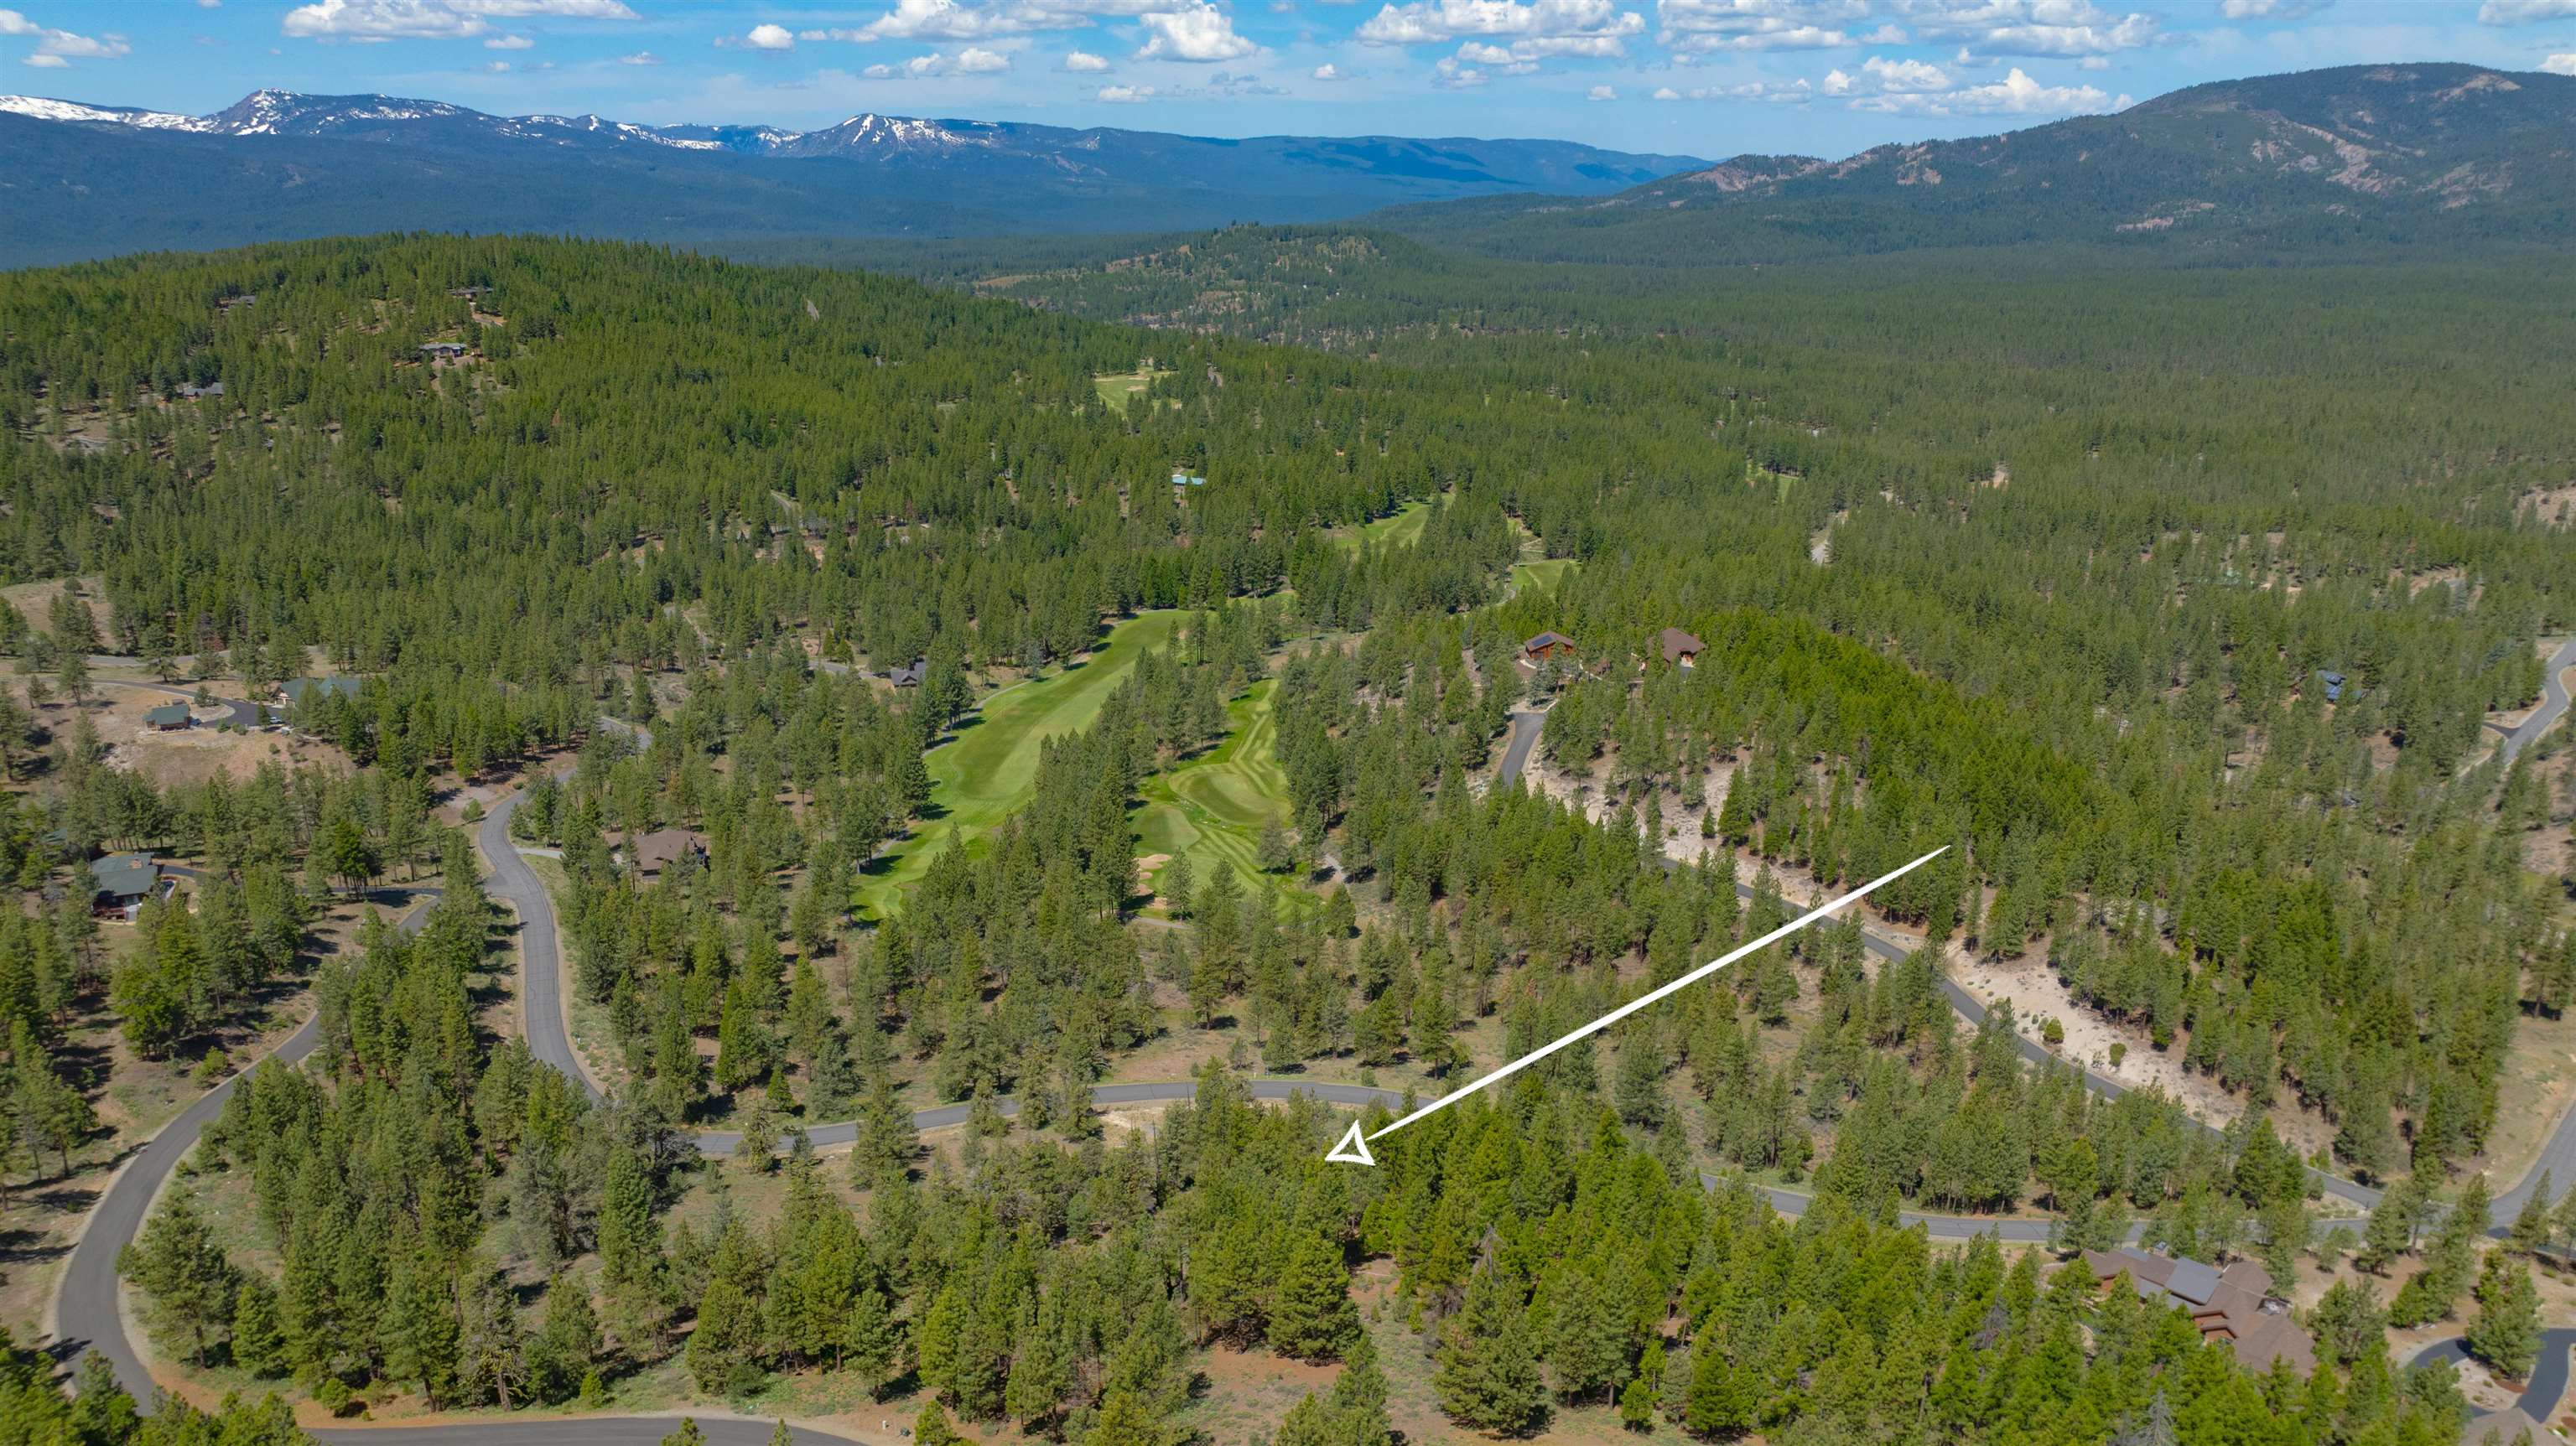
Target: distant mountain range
84 180
2361 154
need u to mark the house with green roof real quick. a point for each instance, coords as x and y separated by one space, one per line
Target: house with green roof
119 883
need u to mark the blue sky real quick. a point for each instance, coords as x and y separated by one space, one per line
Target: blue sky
1709 77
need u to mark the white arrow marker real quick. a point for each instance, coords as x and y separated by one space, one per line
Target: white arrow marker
1353 1150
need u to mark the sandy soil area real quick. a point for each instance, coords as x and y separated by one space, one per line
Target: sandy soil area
186 755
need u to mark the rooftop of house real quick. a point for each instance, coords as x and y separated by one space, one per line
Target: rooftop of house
1678 645
1547 640
124 876
909 675
168 715
2236 1303
663 847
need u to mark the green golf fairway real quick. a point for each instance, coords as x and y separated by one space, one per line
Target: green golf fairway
988 771
1400 528
1212 807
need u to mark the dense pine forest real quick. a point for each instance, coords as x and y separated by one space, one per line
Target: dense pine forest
2182 605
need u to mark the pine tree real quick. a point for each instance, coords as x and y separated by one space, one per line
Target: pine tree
492 1361
2532 1225
1487 1375
259 1339
568 1345
1311 1315
2506 1332
1717 1401
875 1338
1358 1399
1041 1369
1123 1421
1584 1351
421 1345
2347 1321
1639 1087
930 1426
177 1263
2390 1231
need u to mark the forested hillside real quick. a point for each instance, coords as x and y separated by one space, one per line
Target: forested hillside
2346 160
2048 567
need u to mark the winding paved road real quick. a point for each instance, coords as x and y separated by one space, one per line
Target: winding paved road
1526 723
2553 701
86 1311
85 1303
2548 1385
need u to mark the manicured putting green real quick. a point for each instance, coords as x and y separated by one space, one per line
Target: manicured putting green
989 770
1212 807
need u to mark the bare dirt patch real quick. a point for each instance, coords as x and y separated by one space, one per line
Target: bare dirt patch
35 600
187 755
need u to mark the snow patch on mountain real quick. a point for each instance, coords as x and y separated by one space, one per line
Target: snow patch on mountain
40 108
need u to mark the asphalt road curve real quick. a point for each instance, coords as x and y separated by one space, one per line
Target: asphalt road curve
86 1306
1526 723
85 1313
2553 700
2548 1384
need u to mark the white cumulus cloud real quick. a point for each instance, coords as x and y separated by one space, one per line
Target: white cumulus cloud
2034 27
2561 64
433 19
1906 74
1083 62
769 37
2272 10
1701 27
1328 72
2015 94
508 42
641 57
972 60
1199 33
57 49
1601 92
2523 12
1126 94
1795 92
979 19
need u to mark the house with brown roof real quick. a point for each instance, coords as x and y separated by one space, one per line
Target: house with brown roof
1547 645
650 854
1679 648
2235 1305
